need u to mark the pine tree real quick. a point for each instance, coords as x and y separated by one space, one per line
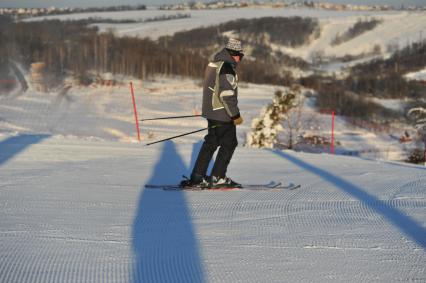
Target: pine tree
266 128
418 116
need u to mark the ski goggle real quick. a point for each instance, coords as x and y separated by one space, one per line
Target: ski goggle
236 53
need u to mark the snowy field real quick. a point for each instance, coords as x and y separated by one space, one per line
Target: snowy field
74 208
76 211
106 113
102 112
399 28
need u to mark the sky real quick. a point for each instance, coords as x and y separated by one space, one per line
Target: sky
94 3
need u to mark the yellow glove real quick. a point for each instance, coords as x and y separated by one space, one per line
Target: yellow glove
238 121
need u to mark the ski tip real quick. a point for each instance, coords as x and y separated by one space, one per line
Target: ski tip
295 187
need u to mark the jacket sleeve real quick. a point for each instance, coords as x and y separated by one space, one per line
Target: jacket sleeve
228 94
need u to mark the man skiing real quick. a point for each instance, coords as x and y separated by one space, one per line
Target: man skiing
220 108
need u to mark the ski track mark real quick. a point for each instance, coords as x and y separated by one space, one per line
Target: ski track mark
81 231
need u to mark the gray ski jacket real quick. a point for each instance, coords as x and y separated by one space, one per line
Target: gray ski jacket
220 90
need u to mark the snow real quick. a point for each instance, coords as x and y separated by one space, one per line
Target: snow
74 207
390 32
75 210
391 103
106 113
416 76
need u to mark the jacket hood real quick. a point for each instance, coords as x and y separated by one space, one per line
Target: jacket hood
224 55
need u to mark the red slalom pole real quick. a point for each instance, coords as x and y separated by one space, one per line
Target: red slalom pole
136 112
332 132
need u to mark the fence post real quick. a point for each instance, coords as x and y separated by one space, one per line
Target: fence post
333 114
135 112
424 152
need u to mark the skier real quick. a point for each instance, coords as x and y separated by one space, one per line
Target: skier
220 108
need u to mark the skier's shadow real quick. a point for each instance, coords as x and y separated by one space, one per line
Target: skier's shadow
11 147
398 218
164 242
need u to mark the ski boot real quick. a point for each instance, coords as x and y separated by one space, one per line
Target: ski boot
196 181
225 182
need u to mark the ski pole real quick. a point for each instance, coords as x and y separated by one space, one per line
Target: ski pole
185 134
193 132
171 117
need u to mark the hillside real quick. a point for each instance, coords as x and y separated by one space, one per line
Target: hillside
74 206
105 113
73 202
387 35
76 210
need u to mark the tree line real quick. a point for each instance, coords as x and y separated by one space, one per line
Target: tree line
383 78
346 103
257 33
77 48
72 47
357 29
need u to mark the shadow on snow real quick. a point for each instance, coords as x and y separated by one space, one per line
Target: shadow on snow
11 147
164 242
400 220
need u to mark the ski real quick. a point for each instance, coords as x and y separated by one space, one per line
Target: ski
268 186
271 184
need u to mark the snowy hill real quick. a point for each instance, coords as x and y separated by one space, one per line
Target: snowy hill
74 207
106 113
389 33
102 112
75 210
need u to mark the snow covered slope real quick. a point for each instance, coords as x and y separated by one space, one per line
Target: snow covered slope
74 210
106 113
399 28
416 76
99 112
73 207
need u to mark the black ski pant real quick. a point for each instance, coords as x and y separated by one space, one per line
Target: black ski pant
222 135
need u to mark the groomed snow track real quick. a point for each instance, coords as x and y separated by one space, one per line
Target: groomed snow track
76 211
